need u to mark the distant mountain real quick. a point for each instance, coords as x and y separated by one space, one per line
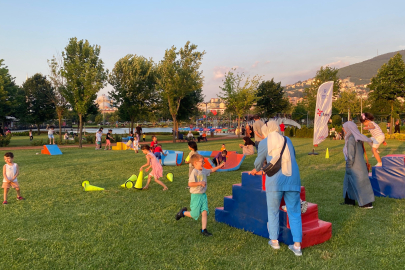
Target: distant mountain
361 73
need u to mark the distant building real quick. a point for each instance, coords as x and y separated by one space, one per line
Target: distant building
104 104
215 104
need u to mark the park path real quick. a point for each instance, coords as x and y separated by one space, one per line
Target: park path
8 148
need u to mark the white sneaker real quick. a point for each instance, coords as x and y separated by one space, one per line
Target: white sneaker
379 164
297 250
274 245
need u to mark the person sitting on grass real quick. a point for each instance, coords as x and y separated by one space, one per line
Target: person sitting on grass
152 162
158 152
248 147
198 188
10 173
190 136
220 158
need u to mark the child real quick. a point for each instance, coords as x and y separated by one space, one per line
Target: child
152 162
135 144
10 173
51 130
158 152
66 137
130 141
99 134
192 146
154 143
223 147
198 186
108 140
144 137
378 136
220 157
30 133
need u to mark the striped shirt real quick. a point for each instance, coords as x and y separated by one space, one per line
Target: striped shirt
376 131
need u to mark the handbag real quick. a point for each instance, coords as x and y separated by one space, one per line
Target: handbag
365 153
271 169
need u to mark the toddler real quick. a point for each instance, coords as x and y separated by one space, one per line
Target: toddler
10 173
152 162
223 147
144 137
198 187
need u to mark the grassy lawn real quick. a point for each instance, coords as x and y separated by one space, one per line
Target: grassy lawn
25 140
61 226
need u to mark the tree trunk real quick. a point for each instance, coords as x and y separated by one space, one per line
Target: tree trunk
174 128
80 130
60 126
392 117
38 129
238 126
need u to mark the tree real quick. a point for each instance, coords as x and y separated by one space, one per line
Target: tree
239 93
299 112
322 75
8 94
270 98
85 76
348 102
58 83
134 81
389 83
179 76
38 106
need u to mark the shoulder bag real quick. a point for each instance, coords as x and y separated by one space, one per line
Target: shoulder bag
271 169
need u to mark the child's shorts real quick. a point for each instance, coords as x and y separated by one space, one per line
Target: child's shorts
158 155
198 204
10 185
50 136
98 142
377 141
108 142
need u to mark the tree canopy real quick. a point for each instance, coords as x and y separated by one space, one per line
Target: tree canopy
179 75
134 80
8 94
270 98
84 72
389 83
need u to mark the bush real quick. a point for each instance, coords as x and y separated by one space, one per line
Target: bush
5 140
89 139
38 142
23 133
336 120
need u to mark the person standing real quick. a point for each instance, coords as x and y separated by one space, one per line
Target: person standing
356 185
397 128
138 130
257 129
285 183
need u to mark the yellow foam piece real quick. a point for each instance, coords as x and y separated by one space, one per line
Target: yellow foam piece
138 184
88 187
327 153
132 178
169 177
188 158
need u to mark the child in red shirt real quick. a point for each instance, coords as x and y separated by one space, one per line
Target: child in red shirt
153 144
158 152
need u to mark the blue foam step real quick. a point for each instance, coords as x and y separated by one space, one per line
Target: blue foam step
53 149
393 161
251 181
255 209
388 182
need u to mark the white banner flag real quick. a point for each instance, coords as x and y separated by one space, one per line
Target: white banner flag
323 111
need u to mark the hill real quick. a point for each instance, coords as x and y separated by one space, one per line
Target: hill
361 73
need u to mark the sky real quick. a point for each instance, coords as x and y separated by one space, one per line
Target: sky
285 40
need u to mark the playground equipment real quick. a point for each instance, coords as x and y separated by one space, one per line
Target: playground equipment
233 160
51 149
389 179
121 146
169 177
87 187
246 209
130 182
172 158
327 153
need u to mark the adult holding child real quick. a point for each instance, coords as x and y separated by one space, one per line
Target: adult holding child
285 183
356 185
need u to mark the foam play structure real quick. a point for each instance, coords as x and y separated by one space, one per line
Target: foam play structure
389 179
87 187
246 209
233 160
121 146
51 149
138 184
172 158
169 177
130 182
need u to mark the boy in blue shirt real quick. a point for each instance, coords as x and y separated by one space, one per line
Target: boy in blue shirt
198 186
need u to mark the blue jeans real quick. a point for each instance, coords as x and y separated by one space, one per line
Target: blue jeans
257 145
293 203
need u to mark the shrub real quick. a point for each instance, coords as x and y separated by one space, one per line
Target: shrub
38 142
89 139
5 140
23 133
336 120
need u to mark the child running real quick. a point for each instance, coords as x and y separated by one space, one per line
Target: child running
157 170
192 146
108 140
378 136
158 152
10 173
198 187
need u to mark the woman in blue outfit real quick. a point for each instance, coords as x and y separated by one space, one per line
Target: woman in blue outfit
356 185
285 183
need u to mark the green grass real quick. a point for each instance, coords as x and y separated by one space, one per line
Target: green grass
61 226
